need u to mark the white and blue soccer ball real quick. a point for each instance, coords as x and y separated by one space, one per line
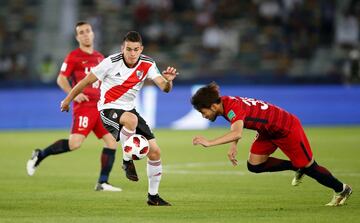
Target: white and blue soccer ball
136 147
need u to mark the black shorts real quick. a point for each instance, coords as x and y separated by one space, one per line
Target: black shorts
111 120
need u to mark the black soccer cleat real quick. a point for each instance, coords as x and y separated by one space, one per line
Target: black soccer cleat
130 170
156 200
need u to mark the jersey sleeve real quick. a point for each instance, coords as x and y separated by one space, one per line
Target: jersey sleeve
153 72
234 111
102 69
67 66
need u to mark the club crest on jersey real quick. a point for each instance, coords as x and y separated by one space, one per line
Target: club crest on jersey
139 74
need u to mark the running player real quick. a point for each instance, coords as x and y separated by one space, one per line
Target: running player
276 128
122 75
86 117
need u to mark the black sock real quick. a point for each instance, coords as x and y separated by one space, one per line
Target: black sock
272 165
60 146
323 176
107 161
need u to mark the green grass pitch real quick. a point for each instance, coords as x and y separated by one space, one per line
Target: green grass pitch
200 183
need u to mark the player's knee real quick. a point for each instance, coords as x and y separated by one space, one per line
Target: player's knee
154 153
129 120
74 145
255 168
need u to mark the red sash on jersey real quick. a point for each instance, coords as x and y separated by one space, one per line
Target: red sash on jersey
137 76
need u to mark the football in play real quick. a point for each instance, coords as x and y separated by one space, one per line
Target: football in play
136 147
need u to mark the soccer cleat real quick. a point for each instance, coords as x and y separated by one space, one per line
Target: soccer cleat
32 164
299 175
107 187
156 200
340 198
130 171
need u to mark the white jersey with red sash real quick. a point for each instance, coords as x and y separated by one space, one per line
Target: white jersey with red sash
120 84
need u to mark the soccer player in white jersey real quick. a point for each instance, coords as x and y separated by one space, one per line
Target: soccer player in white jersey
122 76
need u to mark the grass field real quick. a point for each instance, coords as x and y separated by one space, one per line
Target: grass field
200 183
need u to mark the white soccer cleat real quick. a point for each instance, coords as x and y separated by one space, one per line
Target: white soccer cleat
31 163
299 175
340 198
107 187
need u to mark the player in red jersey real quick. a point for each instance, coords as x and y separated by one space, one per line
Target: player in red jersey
276 128
86 117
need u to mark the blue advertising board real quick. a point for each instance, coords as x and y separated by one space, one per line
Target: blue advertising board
314 105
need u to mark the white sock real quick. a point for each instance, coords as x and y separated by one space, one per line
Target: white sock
154 171
124 135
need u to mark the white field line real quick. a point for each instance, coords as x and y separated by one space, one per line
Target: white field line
186 168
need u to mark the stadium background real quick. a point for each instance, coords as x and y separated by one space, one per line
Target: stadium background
301 55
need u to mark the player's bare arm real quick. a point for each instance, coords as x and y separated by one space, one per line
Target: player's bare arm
64 84
165 81
233 152
89 79
232 136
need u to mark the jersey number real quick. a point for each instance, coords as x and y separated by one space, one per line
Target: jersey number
83 121
254 102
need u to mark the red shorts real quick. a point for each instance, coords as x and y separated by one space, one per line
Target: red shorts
295 145
87 119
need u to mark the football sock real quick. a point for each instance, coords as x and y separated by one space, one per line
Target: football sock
124 135
107 161
271 165
323 176
60 146
154 170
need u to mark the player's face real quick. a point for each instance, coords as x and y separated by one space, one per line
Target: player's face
209 113
85 35
132 52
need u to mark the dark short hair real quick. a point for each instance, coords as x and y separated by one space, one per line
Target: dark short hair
133 36
80 23
206 96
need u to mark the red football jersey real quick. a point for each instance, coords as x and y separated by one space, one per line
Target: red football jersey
75 66
258 115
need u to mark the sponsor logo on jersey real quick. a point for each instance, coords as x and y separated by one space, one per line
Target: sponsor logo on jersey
231 115
84 62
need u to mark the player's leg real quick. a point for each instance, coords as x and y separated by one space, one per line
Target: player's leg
129 122
58 147
298 149
154 173
81 127
111 121
153 166
259 158
107 157
323 176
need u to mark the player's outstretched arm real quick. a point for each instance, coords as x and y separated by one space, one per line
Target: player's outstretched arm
89 79
232 136
164 82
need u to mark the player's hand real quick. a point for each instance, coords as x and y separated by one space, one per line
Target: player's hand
81 97
65 105
199 140
170 73
232 155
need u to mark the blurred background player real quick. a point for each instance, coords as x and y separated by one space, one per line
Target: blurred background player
123 75
276 128
86 117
